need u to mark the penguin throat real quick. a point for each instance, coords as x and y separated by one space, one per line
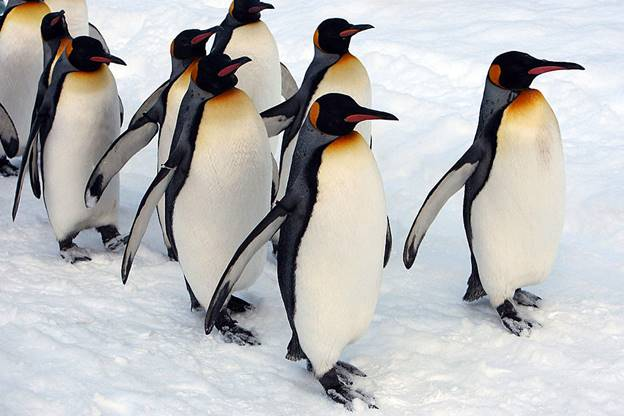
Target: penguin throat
495 99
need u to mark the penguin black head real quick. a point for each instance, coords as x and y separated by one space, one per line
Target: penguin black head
248 11
216 72
191 44
517 70
54 26
88 54
338 114
334 35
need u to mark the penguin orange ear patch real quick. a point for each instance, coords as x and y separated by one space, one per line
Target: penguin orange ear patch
494 74
316 40
315 110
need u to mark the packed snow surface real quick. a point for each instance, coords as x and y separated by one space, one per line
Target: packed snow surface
74 341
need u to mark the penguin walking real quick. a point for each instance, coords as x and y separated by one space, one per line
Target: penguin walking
21 63
78 119
159 111
331 251
265 80
216 181
514 190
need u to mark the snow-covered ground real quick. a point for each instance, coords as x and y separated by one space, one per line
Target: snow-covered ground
74 341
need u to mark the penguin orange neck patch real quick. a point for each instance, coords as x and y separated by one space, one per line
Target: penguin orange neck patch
315 110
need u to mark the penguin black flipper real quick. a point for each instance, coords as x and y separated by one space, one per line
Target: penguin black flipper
8 133
254 242
452 182
282 116
147 206
41 127
94 32
289 85
122 111
388 250
33 169
149 103
127 145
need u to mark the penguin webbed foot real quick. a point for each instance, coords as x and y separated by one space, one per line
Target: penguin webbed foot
513 322
73 254
340 389
234 334
7 169
238 305
112 240
341 366
524 298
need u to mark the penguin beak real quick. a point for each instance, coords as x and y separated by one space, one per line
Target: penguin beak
108 59
365 114
204 35
550 66
260 7
58 18
233 66
354 30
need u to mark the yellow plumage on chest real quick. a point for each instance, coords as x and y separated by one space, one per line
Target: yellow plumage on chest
348 69
86 82
26 14
351 146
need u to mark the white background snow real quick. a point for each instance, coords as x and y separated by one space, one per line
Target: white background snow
74 341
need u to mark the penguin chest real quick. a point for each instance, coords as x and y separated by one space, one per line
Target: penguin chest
76 14
340 258
261 79
517 218
86 123
174 100
226 194
21 64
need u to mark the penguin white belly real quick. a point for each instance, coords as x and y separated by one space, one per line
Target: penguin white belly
517 218
21 64
174 100
348 76
86 123
340 260
226 193
261 79
76 14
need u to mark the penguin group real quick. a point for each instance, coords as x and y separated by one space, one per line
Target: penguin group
246 157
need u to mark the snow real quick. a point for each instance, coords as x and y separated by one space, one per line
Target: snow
74 341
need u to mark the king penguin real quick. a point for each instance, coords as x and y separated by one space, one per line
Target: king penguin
78 18
21 63
332 247
264 79
217 184
514 190
160 110
78 119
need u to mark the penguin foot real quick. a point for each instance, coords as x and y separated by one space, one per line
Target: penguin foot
74 254
112 240
234 334
341 366
340 390
7 169
513 322
524 298
238 305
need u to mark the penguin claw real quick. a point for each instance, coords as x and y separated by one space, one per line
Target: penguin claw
524 298
7 169
234 334
75 255
350 368
117 243
515 324
341 392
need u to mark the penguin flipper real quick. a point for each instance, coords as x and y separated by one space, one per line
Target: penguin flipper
26 164
289 85
94 32
388 250
148 104
148 204
275 180
8 133
122 111
115 158
256 240
33 169
452 182
280 117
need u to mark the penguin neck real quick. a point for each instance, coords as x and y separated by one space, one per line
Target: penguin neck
495 99
311 142
320 64
231 22
50 48
178 66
